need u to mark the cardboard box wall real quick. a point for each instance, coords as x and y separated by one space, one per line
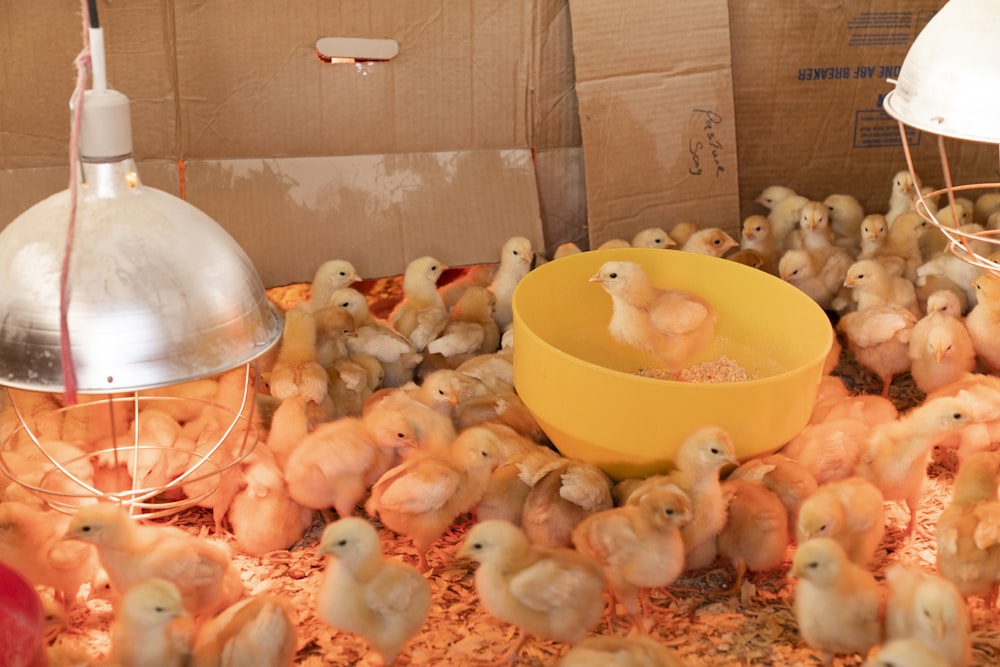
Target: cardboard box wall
560 120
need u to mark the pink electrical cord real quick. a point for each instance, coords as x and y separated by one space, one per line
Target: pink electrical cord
82 63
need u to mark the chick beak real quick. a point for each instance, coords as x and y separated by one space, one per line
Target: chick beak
453 399
938 355
596 278
849 282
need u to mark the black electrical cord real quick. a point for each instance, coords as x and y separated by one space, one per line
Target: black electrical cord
92 13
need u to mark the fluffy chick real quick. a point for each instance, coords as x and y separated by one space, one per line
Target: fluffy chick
563 492
928 607
296 370
828 449
785 477
421 497
968 529
872 235
906 653
901 196
902 244
31 543
700 457
837 603
259 631
669 325
385 601
653 237
471 329
151 626
896 455
203 571
819 273
756 235
755 536
556 594
335 465
263 516
515 262
846 214
850 511
941 349
421 314
638 545
879 338
330 277
983 321
814 230
713 241
377 339
872 283
604 651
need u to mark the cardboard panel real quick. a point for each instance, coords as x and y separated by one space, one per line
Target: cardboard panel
562 197
554 104
378 211
254 87
656 111
808 105
38 44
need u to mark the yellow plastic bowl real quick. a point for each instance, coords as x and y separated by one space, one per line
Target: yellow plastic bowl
581 386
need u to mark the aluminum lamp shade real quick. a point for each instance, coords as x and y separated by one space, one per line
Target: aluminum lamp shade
949 83
160 293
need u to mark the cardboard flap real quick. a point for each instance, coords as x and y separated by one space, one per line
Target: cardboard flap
656 114
377 211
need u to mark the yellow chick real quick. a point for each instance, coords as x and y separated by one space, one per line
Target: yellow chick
681 231
906 653
818 273
383 600
879 339
653 237
565 250
700 457
333 327
563 492
151 626
335 465
330 277
373 337
897 453
31 543
872 235
756 235
785 215
902 244
750 258
838 604
713 241
471 329
902 195
422 496
606 651
756 535
785 477
941 349
556 594
515 263
667 324
846 216
849 511
813 231
928 607
772 195
296 370
829 449
421 314
638 545
983 321
968 529
872 284
263 516
202 570
259 631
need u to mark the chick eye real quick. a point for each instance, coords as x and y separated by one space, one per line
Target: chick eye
342 542
401 436
957 415
441 392
516 253
343 273
612 275
159 610
669 511
813 565
345 304
434 267
715 450
757 228
85 529
716 241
